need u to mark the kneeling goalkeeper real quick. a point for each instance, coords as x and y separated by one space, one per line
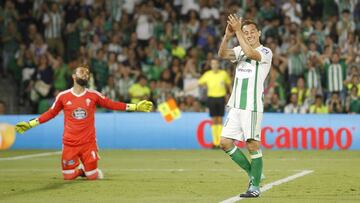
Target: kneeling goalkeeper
79 139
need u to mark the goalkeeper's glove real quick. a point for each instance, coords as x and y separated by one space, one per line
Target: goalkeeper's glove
23 126
142 106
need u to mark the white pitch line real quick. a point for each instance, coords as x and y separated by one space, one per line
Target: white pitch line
29 156
270 185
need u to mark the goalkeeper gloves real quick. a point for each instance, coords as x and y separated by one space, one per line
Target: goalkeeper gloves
142 106
22 126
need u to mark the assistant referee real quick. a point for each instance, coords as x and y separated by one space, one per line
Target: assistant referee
217 83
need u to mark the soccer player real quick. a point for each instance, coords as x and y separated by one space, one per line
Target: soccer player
79 139
217 82
246 101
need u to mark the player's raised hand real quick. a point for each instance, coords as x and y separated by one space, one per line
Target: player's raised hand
234 22
144 106
23 126
229 31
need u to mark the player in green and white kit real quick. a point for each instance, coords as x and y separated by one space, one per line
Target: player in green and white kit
243 122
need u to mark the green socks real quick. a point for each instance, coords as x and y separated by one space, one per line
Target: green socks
256 167
240 159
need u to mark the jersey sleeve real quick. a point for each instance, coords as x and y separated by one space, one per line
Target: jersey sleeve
266 55
108 103
202 80
227 78
239 53
53 111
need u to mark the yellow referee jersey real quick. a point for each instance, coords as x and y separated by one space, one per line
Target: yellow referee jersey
215 82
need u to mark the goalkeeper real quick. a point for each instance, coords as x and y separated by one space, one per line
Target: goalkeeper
79 139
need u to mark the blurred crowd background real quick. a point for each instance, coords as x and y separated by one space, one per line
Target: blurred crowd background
155 49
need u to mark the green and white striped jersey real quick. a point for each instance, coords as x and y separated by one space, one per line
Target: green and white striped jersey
248 87
335 76
312 77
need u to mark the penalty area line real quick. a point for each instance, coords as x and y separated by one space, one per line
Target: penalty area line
29 156
270 185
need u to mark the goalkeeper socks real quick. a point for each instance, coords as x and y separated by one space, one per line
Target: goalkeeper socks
256 167
240 159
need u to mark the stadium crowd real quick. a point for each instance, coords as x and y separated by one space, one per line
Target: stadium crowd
154 49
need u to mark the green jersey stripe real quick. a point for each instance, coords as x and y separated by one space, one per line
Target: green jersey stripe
255 86
243 96
236 84
251 126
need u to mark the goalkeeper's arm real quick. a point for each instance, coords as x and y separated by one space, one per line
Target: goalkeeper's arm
23 126
142 106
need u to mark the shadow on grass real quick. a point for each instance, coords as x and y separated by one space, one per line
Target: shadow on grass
48 187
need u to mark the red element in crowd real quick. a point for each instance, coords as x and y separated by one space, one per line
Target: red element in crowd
321 138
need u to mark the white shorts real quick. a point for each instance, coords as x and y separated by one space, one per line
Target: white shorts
242 125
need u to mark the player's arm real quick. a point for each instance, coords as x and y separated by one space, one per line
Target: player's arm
202 81
23 126
249 52
142 106
224 52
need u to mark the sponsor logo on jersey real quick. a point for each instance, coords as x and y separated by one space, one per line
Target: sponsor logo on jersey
244 70
68 103
79 114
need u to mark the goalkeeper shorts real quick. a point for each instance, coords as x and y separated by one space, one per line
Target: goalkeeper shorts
86 153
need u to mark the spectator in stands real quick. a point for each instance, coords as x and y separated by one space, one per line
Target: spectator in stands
139 90
38 47
293 107
274 105
334 103
10 44
293 10
335 74
300 90
109 90
53 23
144 24
125 81
313 73
61 72
345 26
296 59
352 105
100 69
318 107
354 82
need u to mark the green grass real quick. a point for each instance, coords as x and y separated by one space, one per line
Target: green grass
182 176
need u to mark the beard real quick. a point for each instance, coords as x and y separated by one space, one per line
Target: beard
82 82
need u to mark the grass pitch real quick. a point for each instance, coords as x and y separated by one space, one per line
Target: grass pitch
181 176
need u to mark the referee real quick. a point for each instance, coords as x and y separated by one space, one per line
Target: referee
217 82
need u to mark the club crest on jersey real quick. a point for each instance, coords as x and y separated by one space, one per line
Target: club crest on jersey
79 113
87 101
264 50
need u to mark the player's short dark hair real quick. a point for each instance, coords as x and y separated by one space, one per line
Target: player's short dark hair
82 65
249 22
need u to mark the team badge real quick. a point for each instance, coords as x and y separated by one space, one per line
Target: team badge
88 101
264 50
79 114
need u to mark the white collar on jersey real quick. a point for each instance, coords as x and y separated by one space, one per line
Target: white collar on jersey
78 95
